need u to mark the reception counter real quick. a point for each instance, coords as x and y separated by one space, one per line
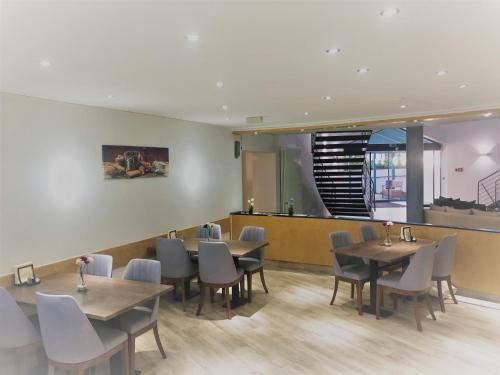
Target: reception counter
305 239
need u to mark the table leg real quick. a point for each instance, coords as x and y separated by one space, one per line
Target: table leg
370 309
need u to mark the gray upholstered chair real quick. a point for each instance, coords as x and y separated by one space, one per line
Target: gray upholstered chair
253 262
414 282
443 264
176 265
202 232
217 270
18 333
101 266
71 341
348 269
141 319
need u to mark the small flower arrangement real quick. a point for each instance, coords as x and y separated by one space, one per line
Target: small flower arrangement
291 206
209 229
251 205
82 262
387 226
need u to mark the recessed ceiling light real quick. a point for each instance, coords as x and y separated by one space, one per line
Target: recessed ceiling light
363 70
255 133
302 130
306 113
328 97
487 114
415 120
45 63
219 84
109 96
442 73
403 106
462 86
333 51
192 38
225 107
389 12
430 119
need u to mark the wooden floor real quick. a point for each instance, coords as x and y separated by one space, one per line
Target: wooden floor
294 330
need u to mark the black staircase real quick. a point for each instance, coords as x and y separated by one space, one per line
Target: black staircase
488 189
342 174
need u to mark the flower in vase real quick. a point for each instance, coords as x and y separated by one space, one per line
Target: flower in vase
387 223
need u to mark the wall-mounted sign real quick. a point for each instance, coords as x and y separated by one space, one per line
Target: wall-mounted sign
134 161
459 169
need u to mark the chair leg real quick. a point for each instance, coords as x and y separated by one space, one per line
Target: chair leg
158 341
212 295
263 280
450 287
359 297
395 301
242 287
51 369
429 306
249 286
200 303
184 287
125 359
17 360
131 354
440 295
377 302
382 298
417 313
228 304
352 290
335 288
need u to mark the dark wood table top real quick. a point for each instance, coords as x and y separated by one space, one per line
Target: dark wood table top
375 250
105 298
237 248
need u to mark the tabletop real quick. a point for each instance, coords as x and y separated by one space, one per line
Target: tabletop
105 298
237 248
376 250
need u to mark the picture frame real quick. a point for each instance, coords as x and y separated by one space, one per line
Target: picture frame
172 234
25 275
408 237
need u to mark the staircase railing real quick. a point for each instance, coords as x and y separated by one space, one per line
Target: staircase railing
488 189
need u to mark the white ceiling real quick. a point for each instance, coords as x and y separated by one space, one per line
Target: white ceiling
270 56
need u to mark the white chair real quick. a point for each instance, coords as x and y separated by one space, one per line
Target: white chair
348 269
414 282
101 266
217 270
18 334
71 341
253 262
141 319
443 264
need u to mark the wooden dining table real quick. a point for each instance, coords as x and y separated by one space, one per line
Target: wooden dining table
375 251
237 249
104 298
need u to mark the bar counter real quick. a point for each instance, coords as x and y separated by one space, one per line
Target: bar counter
305 239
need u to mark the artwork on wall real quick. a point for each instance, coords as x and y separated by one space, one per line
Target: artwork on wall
134 161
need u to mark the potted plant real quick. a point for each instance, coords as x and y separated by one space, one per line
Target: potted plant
82 262
251 205
291 206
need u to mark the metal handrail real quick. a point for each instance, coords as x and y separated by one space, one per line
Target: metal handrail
486 182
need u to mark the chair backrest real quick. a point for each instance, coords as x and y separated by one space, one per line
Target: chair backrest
16 329
367 233
342 239
68 336
174 259
215 263
101 266
249 233
202 232
419 273
445 255
148 271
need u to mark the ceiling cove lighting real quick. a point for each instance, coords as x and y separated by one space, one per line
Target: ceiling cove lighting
389 12
442 73
45 63
462 86
487 114
225 107
333 51
219 84
192 38
363 70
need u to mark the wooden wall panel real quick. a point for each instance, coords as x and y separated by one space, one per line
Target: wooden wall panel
121 254
306 240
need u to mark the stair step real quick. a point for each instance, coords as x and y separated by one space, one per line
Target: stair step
344 167
340 184
339 174
342 138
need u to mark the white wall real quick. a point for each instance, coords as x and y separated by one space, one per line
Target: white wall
55 202
463 146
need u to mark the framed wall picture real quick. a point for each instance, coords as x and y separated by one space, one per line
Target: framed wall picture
126 162
407 234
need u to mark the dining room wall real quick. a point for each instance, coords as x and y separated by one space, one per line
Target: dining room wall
55 202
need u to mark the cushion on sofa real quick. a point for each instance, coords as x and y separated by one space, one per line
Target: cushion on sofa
485 213
435 207
452 210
